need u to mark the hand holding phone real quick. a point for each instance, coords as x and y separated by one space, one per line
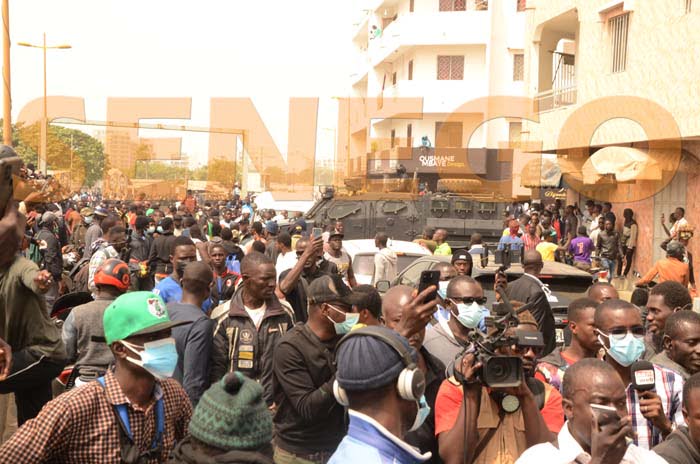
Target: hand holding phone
428 278
316 232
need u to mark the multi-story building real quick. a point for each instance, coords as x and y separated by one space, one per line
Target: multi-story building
447 52
615 93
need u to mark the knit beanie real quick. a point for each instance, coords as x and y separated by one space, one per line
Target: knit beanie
232 415
366 363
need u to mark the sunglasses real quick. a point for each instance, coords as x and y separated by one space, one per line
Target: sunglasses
468 299
523 349
619 333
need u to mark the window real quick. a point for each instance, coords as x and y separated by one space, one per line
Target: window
393 137
409 135
393 79
450 68
515 130
410 70
618 27
410 6
518 66
453 5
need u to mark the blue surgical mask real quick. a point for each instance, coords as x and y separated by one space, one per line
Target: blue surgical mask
442 289
470 315
159 357
160 229
88 219
341 328
151 229
421 415
625 351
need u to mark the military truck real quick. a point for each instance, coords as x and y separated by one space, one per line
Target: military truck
403 216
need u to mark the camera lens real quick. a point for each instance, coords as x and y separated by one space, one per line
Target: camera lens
502 371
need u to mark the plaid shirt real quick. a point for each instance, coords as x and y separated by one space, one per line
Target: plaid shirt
80 426
669 387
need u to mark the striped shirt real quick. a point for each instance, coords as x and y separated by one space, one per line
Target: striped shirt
669 387
80 426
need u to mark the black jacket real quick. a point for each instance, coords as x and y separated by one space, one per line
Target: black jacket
424 438
159 255
187 453
528 291
239 346
308 418
52 258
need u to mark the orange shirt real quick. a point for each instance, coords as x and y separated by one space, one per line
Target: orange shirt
668 269
509 442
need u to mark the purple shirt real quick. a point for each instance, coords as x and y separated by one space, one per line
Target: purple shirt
581 248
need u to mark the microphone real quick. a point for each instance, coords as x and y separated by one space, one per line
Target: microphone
643 376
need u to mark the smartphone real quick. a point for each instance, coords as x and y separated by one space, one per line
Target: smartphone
605 414
316 232
428 278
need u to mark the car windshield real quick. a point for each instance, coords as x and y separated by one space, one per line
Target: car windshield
565 288
364 264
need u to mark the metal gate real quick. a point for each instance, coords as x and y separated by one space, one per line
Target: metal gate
673 196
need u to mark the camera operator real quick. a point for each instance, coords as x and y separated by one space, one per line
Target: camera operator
447 338
589 436
473 427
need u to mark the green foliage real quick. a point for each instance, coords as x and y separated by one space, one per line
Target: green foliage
87 162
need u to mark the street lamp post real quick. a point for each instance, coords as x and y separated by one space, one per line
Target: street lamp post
45 118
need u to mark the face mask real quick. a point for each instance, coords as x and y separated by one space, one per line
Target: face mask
625 351
470 315
442 289
88 220
159 358
151 229
421 415
341 328
160 229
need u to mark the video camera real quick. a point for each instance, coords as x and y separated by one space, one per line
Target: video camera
500 371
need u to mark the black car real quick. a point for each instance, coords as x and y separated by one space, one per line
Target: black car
567 283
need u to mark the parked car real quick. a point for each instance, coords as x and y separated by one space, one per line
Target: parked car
567 283
362 252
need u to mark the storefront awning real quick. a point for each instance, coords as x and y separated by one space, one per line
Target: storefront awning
623 164
541 173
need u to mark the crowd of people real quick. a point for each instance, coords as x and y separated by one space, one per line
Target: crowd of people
218 333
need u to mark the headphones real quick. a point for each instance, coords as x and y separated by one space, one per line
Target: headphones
411 381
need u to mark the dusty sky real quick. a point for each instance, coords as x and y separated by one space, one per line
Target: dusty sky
266 50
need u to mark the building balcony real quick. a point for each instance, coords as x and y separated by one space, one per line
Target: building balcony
437 28
360 67
555 98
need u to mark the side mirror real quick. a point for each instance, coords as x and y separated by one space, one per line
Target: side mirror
382 286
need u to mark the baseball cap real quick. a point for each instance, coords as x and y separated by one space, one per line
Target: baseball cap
136 313
461 255
272 227
48 217
335 234
86 211
330 288
100 211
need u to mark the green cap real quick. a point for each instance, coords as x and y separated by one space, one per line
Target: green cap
136 313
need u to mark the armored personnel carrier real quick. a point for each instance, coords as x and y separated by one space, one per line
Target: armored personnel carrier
403 216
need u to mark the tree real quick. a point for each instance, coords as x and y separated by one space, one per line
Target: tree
67 150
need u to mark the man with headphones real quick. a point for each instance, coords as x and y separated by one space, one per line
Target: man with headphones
379 381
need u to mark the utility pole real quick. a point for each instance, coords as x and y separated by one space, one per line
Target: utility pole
7 98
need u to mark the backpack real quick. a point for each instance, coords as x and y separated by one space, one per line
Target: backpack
80 275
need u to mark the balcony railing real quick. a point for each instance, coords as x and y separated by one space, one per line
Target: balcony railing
555 98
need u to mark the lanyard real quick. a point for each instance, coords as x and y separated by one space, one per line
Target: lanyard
122 411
